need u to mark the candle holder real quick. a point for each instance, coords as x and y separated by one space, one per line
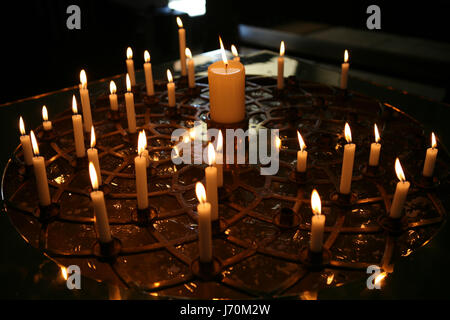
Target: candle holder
114 115
301 178
393 226
426 182
344 200
151 100
47 214
285 218
146 217
131 138
372 171
223 126
182 81
315 260
47 135
107 251
292 82
207 271
193 92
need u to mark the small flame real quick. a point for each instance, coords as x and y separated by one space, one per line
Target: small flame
278 142
83 79
399 171
169 76
346 56
192 133
377 134
316 204
380 277
188 53
179 22
282 49
220 141
222 51
44 113
348 133
74 105
112 87
21 126
234 51
200 191
129 53
64 273
433 140
142 142
211 154
34 143
177 153
300 141
128 81
146 56
93 176
93 140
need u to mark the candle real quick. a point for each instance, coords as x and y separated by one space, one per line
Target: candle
92 154
204 224
401 191
211 183
129 104
170 90
26 144
235 53
85 102
344 71
98 202
317 223
302 154
140 165
219 166
78 135
430 159
113 96
40 173
375 147
226 90
148 74
144 151
347 162
47 125
191 69
182 43
280 81
130 66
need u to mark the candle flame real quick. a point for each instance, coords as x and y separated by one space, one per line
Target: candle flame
74 105
93 176
377 134
192 133
346 56
83 79
380 277
399 171
21 126
200 192
142 142
188 53
44 113
169 76
34 143
300 141
64 273
348 133
93 140
211 154
129 53
234 51
282 49
222 51
278 142
146 56
220 141
112 87
179 22
316 204
433 140
128 81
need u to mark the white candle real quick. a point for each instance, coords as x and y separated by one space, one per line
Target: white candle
26 144
92 153
98 202
191 69
113 102
226 90
78 135
40 173
46 124
170 90
375 148
280 80
85 102
302 154
148 74
130 66
344 71
211 183
219 153
317 223
430 159
129 104
235 53
347 162
182 44
140 165
204 224
401 191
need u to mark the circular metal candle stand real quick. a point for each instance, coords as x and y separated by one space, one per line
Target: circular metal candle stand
286 218
344 200
146 217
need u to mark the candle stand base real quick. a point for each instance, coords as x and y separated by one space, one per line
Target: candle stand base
47 135
114 115
145 217
426 182
343 200
151 100
107 251
48 213
372 171
301 178
315 260
393 226
286 218
207 271
193 92
223 126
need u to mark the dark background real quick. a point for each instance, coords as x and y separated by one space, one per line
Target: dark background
39 54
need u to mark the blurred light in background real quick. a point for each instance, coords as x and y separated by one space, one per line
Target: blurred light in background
191 7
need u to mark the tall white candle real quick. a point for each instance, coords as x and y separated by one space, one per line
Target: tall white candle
85 102
78 135
204 224
182 44
347 162
344 71
140 164
317 223
302 154
219 154
26 144
235 53
191 68
98 202
130 66
375 148
46 124
148 74
430 159
92 153
113 102
40 173
211 183
401 191
129 104
170 90
280 80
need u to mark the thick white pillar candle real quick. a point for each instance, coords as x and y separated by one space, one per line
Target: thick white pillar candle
85 102
40 173
317 223
78 135
170 90
280 80
430 159
92 154
46 124
130 66
148 74
401 191
204 224
113 102
26 144
98 202
347 163
129 105
191 68
235 53
211 183
219 154
344 71
302 154
182 44
140 165
375 148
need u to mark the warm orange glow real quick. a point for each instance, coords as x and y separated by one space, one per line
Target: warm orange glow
300 141
211 154
93 176
74 105
112 87
169 76
192 133
188 53
200 192
433 140
377 134
83 79
129 53
128 81
146 56
399 171
380 277
177 153
222 51
21 126
316 204
348 133
234 51
92 137
179 22
64 273
278 142
142 142
346 56
34 143
219 141
282 49
44 113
